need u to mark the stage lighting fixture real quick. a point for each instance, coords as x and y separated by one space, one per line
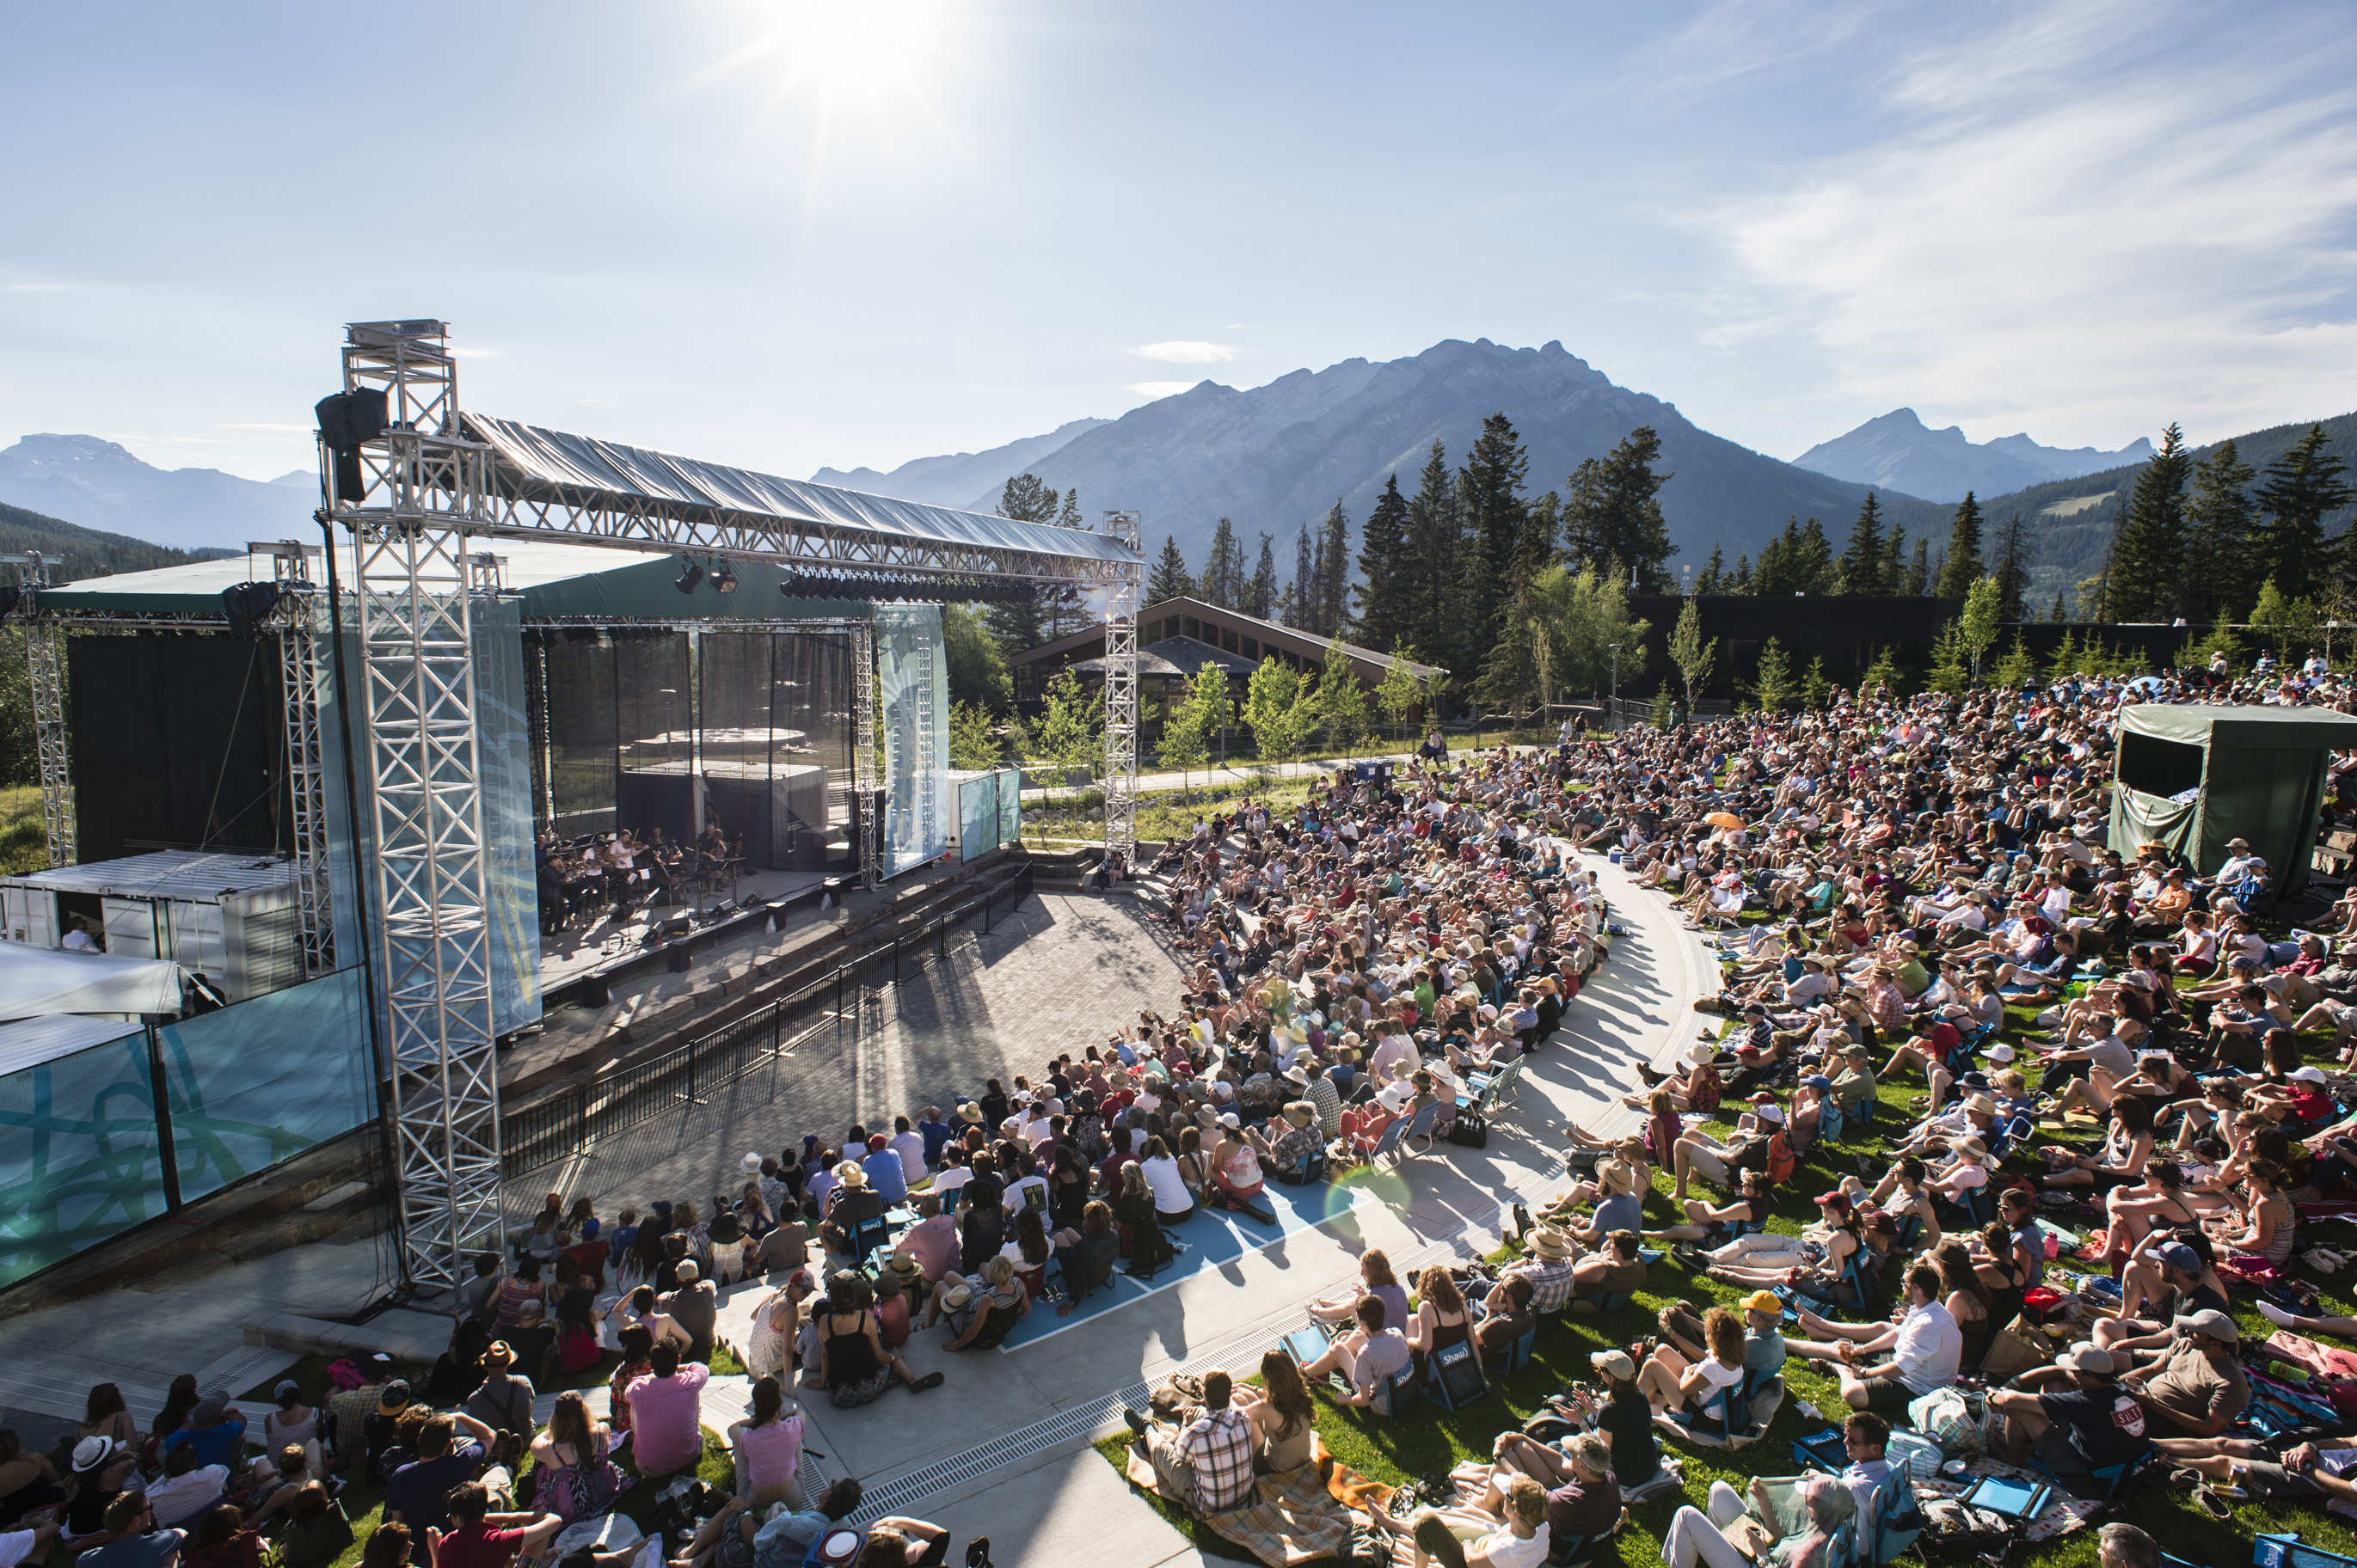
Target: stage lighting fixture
724 578
690 574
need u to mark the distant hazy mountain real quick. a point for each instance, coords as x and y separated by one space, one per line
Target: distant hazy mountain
101 486
1899 452
1277 457
955 481
73 553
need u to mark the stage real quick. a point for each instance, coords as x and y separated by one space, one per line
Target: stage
607 946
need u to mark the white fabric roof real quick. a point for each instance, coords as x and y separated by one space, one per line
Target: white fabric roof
33 1041
37 981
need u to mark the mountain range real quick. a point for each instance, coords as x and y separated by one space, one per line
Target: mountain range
99 485
1274 457
1899 452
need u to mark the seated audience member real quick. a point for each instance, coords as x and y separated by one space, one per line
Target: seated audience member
1204 1465
2089 1424
1366 1357
1790 1523
1670 1382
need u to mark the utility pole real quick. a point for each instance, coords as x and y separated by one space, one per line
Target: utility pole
1615 717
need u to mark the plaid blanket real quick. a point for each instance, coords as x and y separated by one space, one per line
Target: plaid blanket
1291 1520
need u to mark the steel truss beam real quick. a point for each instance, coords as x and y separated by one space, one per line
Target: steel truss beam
1121 699
45 648
415 577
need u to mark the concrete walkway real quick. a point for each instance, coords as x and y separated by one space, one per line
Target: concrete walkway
1002 1449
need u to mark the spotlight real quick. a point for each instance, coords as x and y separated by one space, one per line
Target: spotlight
724 578
690 574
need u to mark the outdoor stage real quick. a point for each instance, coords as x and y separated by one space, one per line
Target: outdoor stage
608 946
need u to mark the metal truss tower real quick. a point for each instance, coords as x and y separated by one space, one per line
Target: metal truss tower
45 656
307 775
1122 589
863 752
414 579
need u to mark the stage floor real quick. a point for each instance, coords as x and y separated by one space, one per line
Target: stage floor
580 951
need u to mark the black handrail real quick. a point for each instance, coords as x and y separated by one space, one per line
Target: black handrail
549 1129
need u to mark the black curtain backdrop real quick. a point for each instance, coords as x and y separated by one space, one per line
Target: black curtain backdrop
176 739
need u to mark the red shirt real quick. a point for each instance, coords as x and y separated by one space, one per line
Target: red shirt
478 1546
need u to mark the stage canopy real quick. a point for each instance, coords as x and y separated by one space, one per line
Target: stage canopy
2197 777
35 982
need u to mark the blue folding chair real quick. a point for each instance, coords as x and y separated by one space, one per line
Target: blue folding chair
1420 1127
1453 1376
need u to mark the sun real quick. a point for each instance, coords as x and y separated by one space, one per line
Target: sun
830 51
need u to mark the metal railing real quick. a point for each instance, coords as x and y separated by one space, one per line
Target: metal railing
548 1130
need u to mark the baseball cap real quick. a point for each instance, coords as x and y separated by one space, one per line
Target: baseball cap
2087 1356
1818 1081
1764 1301
1616 1362
1231 1121
2179 1256
2309 1074
2211 1322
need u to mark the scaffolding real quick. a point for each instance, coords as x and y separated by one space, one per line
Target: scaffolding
1121 699
299 630
863 752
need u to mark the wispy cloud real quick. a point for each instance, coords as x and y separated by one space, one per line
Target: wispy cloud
1159 388
1187 353
231 425
2163 241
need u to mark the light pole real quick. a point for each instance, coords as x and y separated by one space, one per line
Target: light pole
1616 688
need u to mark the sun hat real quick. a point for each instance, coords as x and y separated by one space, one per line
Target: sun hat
2000 1053
1301 1113
1549 1242
752 1164
1702 1053
968 1111
1981 1103
92 1452
851 1174
1764 1301
1973 1149
2087 1356
1614 1363
957 1296
905 1266
1617 1175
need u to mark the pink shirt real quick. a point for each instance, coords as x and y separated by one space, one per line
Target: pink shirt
772 1453
664 1418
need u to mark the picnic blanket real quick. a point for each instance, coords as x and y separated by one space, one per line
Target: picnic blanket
2062 1514
1294 1517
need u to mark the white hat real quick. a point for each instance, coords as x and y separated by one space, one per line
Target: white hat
752 1164
1231 1121
1770 1112
2000 1053
2309 1074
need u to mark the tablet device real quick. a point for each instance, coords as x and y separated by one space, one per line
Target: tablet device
2004 1495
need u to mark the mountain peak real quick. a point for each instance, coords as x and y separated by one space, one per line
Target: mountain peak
100 484
51 448
1897 451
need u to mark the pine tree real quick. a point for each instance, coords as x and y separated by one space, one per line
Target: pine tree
1333 570
2060 614
1436 538
1714 576
1069 516
2218 524
2011 568
1385 593
1612 516
2301 487
1918 571
1861 564
1223 582
1496 513
2149 562
1894 562
1743 581
1799 560
1018 624
1170 579
1301 606
1963 568
1260 593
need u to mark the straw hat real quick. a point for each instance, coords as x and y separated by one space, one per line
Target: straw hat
850 1175
957 1296
1301 1113
1616 1177
1974 1150
905 1267
1549 1242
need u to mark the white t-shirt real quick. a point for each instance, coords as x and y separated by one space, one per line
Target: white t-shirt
1717 1375
1018 1194
1504 1551
1169 1189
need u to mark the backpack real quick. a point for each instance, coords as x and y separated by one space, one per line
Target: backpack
1781 1159
345 1375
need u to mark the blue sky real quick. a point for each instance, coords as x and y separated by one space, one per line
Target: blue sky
789 235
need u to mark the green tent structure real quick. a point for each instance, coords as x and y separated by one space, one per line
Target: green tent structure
2196 777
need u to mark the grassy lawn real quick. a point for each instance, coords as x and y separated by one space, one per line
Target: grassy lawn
1428 1439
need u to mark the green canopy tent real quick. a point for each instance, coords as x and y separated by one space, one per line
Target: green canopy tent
2196 777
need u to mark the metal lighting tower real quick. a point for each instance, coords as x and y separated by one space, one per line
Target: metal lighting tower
425 481
45 657
1121 697
307 779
